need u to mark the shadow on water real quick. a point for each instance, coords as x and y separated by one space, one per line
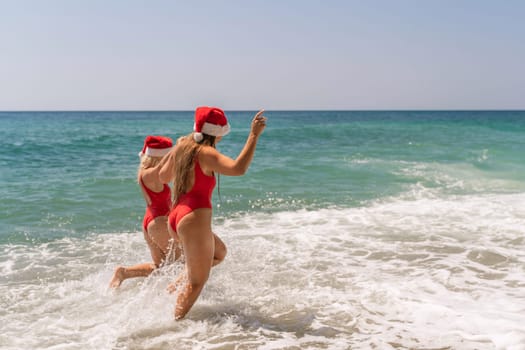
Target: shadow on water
251 320
299 323
247 325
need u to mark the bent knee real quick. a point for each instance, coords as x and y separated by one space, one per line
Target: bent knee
220 254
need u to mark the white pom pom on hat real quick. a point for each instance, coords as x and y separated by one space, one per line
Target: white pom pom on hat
211 121
198 136
156 146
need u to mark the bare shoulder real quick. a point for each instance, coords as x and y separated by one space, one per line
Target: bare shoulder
208 159
147 173
150 177
207 152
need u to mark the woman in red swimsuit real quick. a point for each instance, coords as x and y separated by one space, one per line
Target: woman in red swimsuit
192 165
158 200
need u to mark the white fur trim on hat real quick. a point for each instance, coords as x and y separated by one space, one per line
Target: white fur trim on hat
156 152
215 130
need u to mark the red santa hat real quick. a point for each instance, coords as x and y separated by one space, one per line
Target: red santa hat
211 121
156 146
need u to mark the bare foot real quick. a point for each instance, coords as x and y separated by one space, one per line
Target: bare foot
118 277
173 286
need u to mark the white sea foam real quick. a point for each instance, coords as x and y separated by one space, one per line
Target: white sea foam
412 272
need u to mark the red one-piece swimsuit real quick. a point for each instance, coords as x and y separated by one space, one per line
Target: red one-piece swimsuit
160 204
198 197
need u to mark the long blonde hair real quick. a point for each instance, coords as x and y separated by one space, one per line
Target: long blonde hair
186 150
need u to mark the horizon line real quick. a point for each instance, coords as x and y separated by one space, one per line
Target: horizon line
271 110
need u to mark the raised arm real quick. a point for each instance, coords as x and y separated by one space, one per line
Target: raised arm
215 161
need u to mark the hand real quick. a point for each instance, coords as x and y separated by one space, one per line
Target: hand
258 123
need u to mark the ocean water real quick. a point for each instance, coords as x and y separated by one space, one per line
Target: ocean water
351 230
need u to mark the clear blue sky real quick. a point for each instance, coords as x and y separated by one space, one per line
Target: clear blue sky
174 55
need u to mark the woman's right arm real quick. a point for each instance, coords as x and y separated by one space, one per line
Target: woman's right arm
167 164
222 164
166 167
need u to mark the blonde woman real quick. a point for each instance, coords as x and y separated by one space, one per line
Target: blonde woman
158 204
192 165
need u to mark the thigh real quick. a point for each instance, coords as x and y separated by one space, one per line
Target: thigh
197 240
158 233
157 254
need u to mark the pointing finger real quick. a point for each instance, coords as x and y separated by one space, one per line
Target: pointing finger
259 113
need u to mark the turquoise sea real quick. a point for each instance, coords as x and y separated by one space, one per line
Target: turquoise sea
351 230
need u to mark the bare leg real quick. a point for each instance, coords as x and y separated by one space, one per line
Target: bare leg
198 244
122 273
174 286
219 251
157 237
174 252
218 257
